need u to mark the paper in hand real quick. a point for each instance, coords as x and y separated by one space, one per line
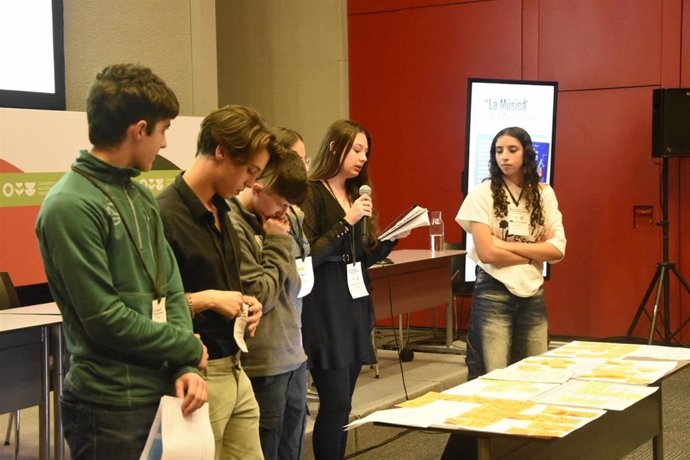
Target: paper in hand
240 327
174 436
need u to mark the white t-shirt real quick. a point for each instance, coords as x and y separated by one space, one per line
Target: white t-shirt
523 280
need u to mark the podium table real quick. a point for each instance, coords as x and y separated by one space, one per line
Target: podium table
416 280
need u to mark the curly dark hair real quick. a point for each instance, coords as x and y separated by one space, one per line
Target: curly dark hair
122 95
529 171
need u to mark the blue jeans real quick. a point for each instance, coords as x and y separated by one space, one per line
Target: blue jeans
95 432
283 404
504 328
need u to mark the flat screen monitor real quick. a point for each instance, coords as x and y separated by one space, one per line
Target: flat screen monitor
32 54
496 104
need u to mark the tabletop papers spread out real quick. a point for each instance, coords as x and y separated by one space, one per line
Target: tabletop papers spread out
545 396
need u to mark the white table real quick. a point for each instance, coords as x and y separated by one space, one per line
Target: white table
25 349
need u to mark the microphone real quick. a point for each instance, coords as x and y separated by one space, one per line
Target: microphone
365 190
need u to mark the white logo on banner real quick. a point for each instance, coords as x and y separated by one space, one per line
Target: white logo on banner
10 189
153 184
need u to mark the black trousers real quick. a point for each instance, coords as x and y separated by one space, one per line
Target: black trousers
335 388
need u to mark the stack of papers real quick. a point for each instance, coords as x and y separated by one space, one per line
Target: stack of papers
416 217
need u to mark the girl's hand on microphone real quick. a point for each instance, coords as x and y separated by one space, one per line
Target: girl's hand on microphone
362 206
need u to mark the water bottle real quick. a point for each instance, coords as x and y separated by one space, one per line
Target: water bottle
436 232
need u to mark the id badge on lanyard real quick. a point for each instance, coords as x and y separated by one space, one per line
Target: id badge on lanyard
518 221
355 280
306 275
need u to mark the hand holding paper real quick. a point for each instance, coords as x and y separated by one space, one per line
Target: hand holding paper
176 437
415 217
254 313
192 391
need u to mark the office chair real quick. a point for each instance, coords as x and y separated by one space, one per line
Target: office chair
9 299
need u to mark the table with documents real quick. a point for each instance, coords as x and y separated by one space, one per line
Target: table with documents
582 400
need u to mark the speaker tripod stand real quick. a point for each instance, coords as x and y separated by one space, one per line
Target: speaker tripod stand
662 277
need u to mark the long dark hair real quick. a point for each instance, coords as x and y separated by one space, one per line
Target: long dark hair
529 173
335 146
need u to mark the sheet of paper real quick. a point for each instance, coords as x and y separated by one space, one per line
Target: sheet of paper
602 350
661 352
434 396
405 416
177 437
630 371
477 413
525 418
501 389
522 418
416 217
517 373
240 327
601 395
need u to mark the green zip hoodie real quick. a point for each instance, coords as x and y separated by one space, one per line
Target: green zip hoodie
104 252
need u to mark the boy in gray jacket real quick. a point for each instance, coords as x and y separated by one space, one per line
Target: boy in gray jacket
276 363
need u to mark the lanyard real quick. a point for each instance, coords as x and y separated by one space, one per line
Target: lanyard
352 236
155 282
512 197
298 237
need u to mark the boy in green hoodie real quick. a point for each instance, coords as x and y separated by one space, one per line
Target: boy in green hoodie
113 275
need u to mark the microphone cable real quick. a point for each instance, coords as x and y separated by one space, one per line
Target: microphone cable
397 343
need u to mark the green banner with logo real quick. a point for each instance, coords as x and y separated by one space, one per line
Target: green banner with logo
29 189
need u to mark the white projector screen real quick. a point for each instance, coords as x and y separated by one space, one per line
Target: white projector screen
496 104
32 54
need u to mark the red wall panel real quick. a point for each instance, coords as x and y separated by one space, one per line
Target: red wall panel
375 89
378 6
425 88
603 169
600 44
607 56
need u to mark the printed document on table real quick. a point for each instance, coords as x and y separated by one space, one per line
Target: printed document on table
661 352
593 350
601 395
501 389
630 371
526 418
542 375
523 418
422 416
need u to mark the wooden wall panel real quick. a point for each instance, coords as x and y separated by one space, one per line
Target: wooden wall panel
600 44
